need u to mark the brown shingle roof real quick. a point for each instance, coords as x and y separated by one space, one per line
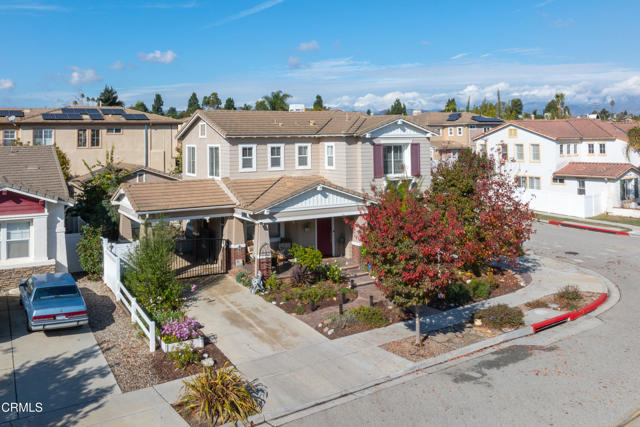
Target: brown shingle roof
572 129
35 170
595 170
34 116
172 195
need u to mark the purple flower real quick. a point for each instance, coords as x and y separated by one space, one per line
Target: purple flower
193 288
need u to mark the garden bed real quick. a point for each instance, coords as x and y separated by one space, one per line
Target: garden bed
558 301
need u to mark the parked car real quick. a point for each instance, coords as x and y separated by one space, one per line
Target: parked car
52 301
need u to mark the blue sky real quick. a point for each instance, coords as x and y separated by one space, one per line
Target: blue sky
356 54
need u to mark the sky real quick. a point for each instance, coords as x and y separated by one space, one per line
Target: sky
355 54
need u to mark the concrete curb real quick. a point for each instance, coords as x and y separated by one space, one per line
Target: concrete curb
588 227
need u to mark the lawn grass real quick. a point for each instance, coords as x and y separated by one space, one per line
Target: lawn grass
619 219
577 221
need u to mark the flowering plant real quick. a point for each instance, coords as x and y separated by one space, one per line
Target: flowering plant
175 331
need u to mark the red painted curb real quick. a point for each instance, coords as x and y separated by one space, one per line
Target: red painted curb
587 227
537 327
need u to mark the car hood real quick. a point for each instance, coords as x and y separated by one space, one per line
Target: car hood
59 305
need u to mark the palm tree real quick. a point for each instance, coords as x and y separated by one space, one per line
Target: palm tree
277 101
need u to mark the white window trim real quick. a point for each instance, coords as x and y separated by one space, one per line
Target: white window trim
406 154
450 131
459 130
202 127
141 175
326 155
209 146
253 150
187 162
119 131
3 242
281 167
308 145
53 135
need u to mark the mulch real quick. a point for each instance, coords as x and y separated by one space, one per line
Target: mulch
394 314
548 301
290 305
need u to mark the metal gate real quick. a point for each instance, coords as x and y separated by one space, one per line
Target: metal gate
200 257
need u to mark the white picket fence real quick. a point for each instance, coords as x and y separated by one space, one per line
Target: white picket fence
114 255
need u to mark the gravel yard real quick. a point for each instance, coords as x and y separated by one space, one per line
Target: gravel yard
126 351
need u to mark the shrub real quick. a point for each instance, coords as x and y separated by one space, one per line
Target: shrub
90 251
269 298
539 303
370 316
492 281
243 278
286 296
315 294
299 309
333 272
219 396
184 356
479 288
176 331
343 320
301 275
570 293
272 283
458 294
500 316
311 258
163 317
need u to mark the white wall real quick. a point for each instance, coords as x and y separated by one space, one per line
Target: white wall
56 241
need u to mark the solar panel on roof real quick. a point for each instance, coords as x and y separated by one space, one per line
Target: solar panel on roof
486 119
135 117
118 111
96 116
453 117
7 113
80 110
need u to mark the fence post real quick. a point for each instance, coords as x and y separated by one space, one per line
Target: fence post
134 309
152 336
104 259
117 291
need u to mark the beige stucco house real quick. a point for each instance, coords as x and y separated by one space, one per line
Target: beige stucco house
263 180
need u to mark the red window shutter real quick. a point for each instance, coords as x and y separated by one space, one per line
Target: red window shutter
378 159
415 159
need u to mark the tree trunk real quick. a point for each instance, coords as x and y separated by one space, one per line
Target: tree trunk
418 342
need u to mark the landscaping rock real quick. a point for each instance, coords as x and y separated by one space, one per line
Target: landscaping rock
330 332
325 330
208 362
477 322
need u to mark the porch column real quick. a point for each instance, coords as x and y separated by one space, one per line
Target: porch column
233 231
356 244
262 250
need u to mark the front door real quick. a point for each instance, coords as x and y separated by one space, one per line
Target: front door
324 236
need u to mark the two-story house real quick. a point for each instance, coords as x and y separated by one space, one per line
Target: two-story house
263 180
85 134
577 167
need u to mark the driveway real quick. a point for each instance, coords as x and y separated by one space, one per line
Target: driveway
62 369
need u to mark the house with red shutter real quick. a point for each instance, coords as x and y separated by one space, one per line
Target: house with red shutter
260 180
33 200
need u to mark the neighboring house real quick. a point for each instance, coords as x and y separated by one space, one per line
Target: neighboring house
85 134
265 180
454 131
575 167
33 199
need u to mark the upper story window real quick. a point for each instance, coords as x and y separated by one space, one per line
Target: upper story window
247 154
535 152
303 156
9 137
43 137
504 151
513 133
438 131
275 156
590 148
82 138
213 161
190 160
459 130
521 182
202 130
603 148
329 155
486 129
141 177
114 131
394 159
561 149
95 137
534 183
17 239
482 148
450 131
520 152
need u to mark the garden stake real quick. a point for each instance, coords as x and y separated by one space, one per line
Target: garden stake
371 300
353 284
344 298
340 309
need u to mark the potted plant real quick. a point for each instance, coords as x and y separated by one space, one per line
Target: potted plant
175 334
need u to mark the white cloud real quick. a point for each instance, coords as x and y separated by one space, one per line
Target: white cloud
6 84
294 62
83 75
543 3
247 12
521 50
306 46
158 56
28 6
561 23
460 55
118 65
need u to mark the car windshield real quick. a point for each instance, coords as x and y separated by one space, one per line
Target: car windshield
69 291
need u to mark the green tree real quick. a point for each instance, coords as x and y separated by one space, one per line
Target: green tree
172 112
140 106
468 104
634 141
246 107
109 97
156 108
499 106
612 103
451 106
229 104
318 104
397 108
212 101
261 105
277 101
193 104
515 107
90 251
368 111
65 165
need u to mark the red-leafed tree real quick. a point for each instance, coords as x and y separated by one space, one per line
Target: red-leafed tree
411 249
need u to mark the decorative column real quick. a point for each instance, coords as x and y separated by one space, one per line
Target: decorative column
233 231
262 248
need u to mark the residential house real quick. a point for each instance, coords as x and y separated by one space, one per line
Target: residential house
33 199
85 134
577 167
264 180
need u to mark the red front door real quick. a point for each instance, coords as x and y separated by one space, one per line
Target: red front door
324 235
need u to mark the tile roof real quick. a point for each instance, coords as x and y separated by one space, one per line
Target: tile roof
173 195
595 170
572 129
35 170
433 118
129 167
34 116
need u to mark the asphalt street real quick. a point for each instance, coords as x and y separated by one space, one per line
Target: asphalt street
589 377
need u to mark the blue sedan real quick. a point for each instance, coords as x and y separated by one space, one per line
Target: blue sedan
52 301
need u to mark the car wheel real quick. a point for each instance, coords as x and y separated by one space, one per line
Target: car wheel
28 326
21 303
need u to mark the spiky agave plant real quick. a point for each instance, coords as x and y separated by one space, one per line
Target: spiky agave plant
220 395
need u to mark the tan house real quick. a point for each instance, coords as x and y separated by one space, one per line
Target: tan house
262 180
86 133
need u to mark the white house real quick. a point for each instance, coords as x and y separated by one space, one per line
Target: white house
576 167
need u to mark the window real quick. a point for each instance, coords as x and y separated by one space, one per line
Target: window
275 231
590 148
504 151
202 130
9 137
43 137
95 137
82 138
557 180
535 152
450 130
329 155
141 177
603 148
438 131
486 129
575 149
191 160
114 131
18 236
534 183
213 161
275 154
393 159
482 148
561 149
521 182
513 133
520 152
303 156
629 189
459 130
247 155
582 190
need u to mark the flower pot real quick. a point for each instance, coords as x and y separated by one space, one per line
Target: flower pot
195 342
